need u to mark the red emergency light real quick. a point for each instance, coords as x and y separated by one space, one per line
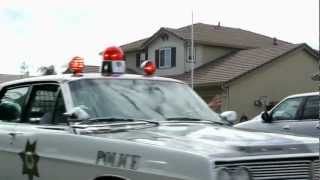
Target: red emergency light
113 53
149 68
113 61
76 65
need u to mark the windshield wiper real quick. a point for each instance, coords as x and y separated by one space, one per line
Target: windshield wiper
188 119
114 119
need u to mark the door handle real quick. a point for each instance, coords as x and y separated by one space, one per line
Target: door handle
286 127
13 136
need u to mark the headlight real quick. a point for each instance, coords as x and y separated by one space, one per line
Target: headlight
224 174
242 173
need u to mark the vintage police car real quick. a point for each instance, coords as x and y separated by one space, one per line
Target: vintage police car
113 126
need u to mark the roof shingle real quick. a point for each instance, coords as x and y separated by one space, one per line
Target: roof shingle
225 36
133 45
236 64
213 35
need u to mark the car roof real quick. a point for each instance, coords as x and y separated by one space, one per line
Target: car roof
304 94
71 77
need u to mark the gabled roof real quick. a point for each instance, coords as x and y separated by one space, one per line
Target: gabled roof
237 64
210 35
133 45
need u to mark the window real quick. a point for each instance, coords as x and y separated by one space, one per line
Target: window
16 96
288 109
138 99
165 57
189 60
311 108
42 102
60 109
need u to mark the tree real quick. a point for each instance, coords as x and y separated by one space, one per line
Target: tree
47 70
24 69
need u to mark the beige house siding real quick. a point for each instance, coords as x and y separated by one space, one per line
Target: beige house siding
207 92
157 44
288 75
131 61
209 53
171 42
205 54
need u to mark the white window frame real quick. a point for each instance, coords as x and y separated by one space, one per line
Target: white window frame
167 58
189 54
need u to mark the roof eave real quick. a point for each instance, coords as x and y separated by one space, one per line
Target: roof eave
311 51
197 85
155 36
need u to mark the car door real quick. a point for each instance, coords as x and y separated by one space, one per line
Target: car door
309 118
286 116
46 143
36 122
9 157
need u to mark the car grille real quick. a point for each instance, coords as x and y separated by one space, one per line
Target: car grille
316 167
278 169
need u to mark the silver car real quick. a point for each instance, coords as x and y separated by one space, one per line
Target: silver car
296 114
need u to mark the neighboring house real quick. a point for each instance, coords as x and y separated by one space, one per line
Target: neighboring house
246 68
10 77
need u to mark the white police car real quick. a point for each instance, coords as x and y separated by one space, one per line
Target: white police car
113 126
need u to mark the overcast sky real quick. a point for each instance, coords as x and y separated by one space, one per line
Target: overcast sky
45 32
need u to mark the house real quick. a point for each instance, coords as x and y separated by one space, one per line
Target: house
249 70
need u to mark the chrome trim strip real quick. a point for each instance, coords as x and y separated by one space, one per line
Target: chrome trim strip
269 157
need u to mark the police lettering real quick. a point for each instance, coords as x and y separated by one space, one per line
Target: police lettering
119 160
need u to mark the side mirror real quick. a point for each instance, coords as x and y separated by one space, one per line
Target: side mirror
77 114
266 117
9 111
230 116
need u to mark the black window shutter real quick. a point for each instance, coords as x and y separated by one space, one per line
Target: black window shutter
146 53
157 58
138 60
173 57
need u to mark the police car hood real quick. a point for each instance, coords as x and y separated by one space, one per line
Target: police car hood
217 140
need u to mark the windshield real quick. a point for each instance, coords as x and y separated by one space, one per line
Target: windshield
139 99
